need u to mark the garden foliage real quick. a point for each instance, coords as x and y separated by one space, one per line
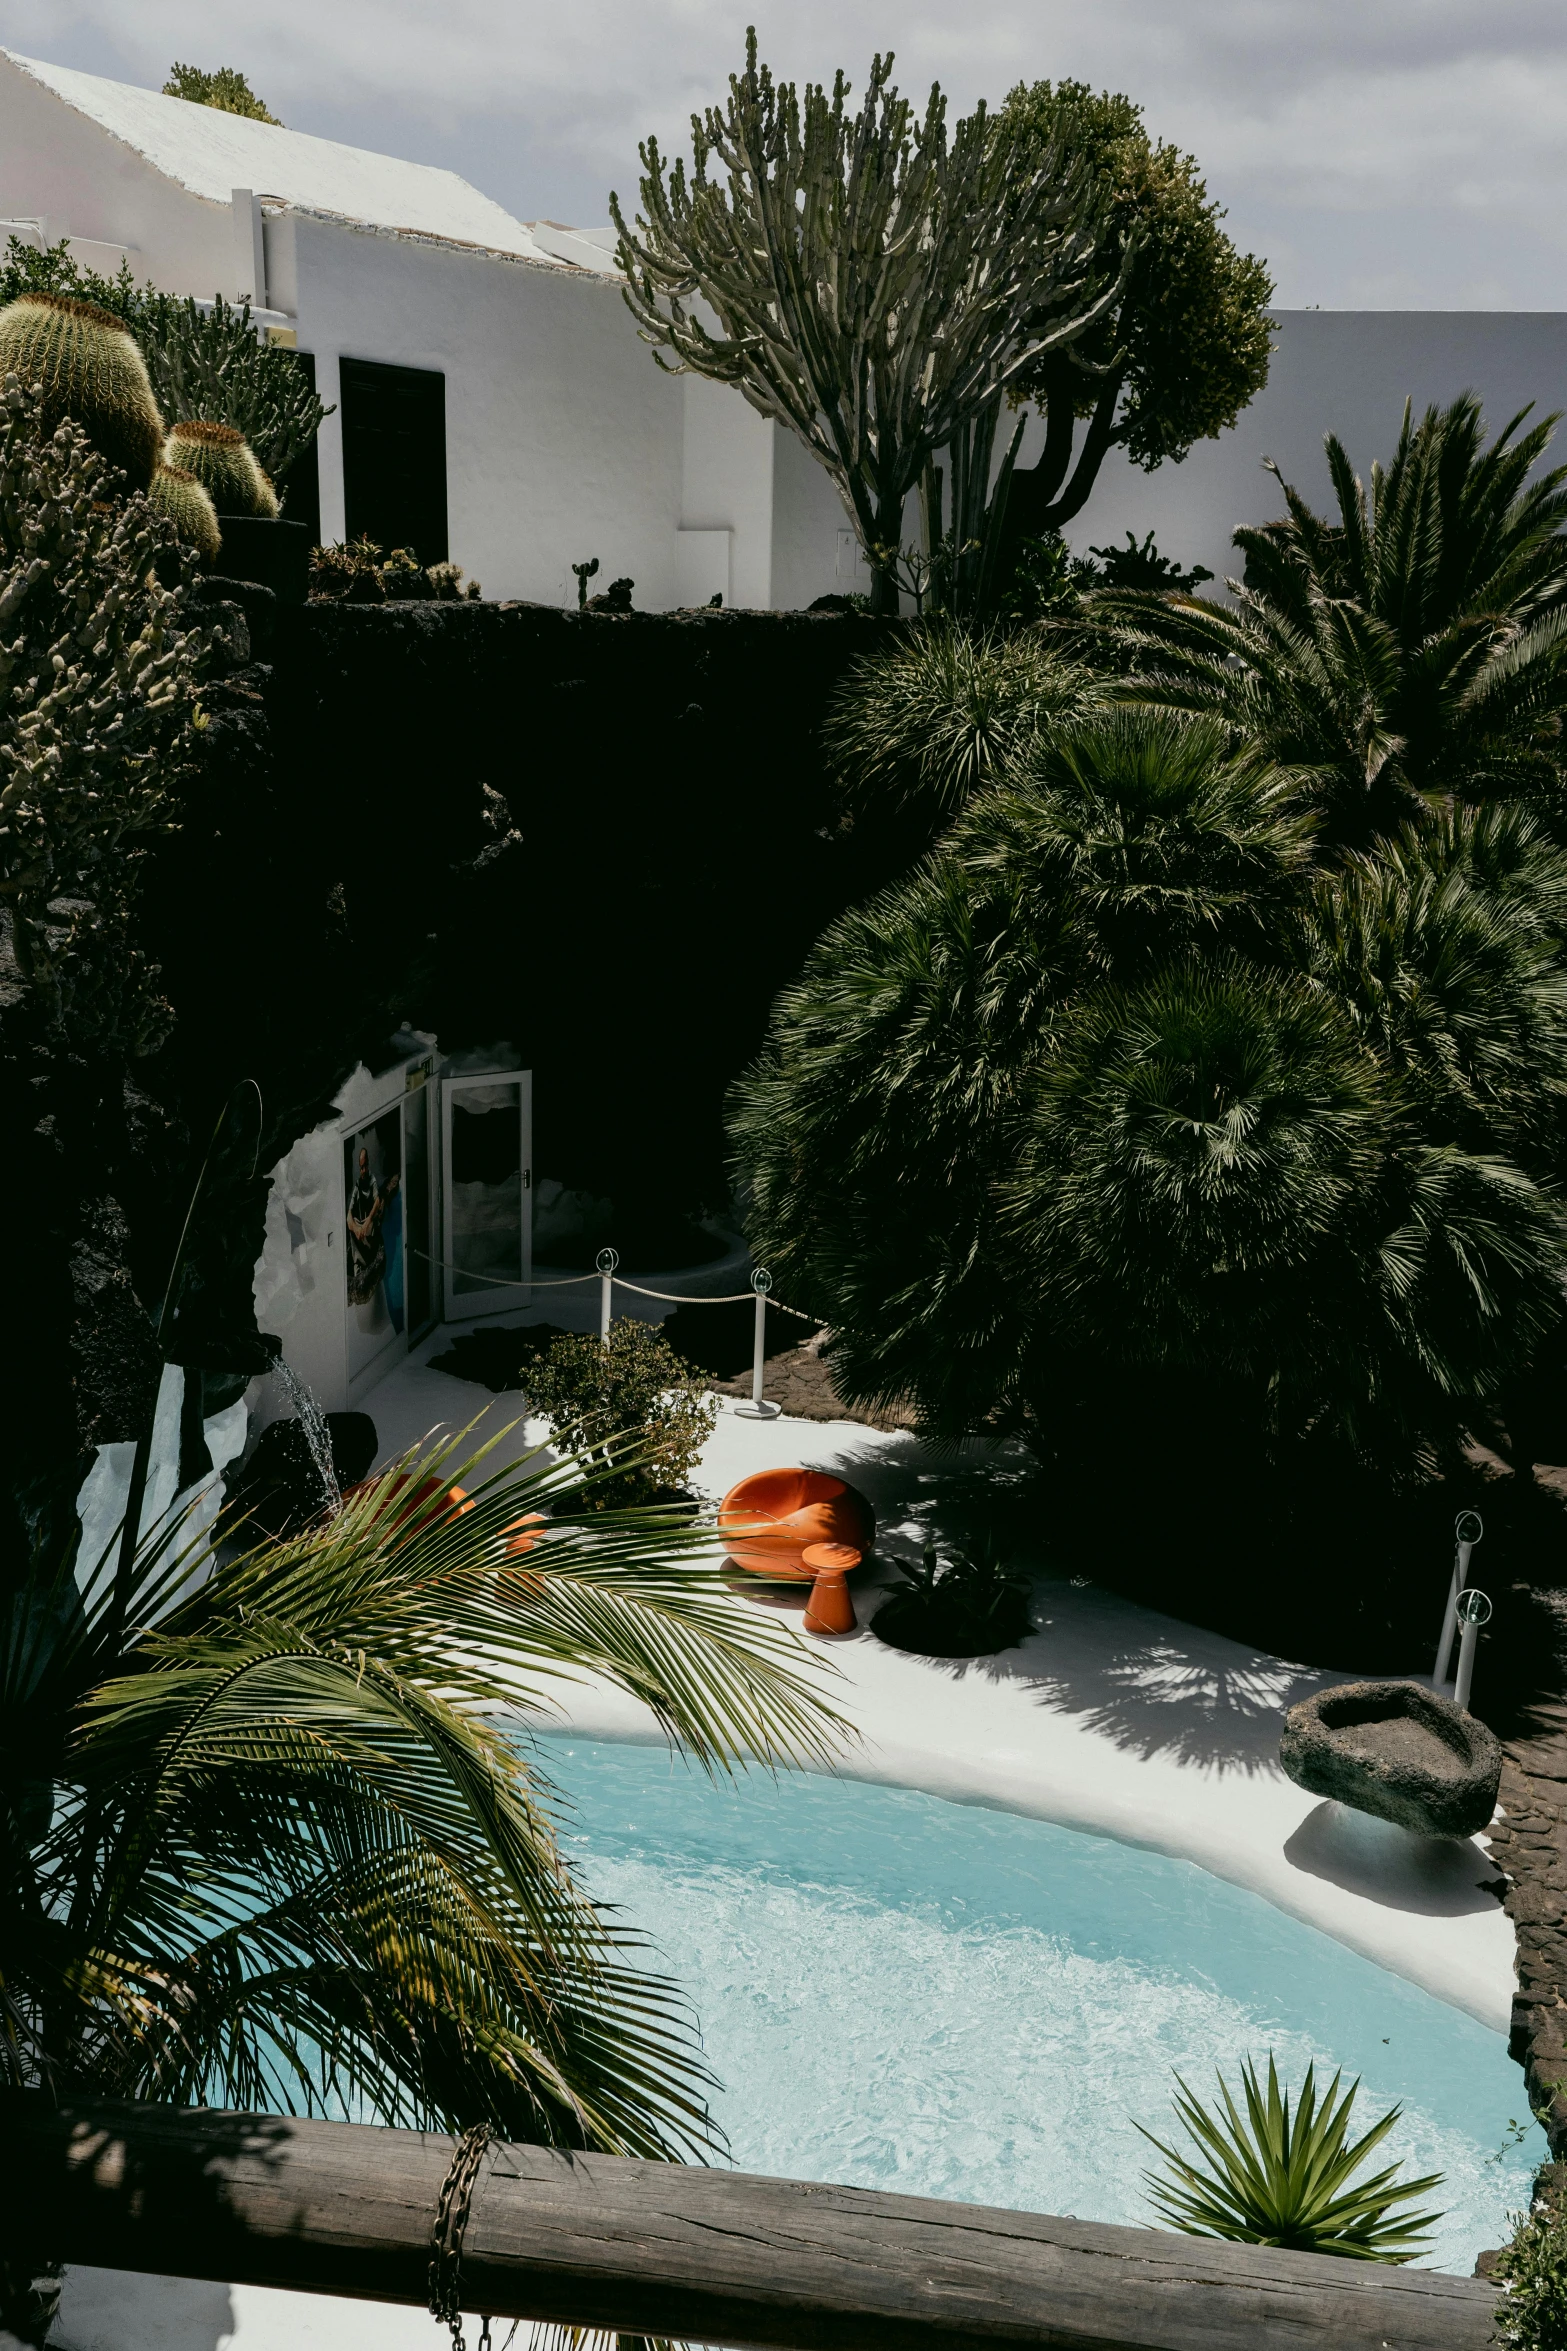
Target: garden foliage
1182 348
1210 1071
1273 2177
272 1834
99 669
224 87
204 362
628 1406
1532 2271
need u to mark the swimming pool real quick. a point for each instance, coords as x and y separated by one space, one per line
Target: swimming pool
899 1992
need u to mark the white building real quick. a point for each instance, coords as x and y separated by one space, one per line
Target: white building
490 390
492 397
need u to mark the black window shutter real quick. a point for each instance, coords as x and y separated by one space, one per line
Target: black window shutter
394 456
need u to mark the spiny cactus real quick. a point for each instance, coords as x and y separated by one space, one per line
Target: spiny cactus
181 497
90 370
98 680
224 463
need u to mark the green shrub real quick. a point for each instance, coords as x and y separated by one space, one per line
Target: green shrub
630 1409
98 679
1532 2270
224 87
1272 2178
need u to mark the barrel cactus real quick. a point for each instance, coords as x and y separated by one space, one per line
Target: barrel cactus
181 497
89 369
224 463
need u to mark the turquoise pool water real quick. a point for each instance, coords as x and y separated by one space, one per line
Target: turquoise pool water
897 1992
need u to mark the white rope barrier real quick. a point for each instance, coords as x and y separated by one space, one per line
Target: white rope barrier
606 1277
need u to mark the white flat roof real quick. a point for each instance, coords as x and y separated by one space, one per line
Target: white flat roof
212 154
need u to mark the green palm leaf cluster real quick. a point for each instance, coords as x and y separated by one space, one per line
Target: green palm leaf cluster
1413 645
1273 2177
1211 1068
285 1841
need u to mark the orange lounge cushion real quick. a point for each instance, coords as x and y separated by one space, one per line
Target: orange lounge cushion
770 1519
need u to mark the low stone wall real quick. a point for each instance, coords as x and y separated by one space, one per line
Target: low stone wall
1529 1842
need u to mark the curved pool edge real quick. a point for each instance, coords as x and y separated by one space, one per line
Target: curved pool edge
1467 1961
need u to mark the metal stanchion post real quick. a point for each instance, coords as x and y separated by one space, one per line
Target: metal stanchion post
757 1409
607 1261
1467 1531
1474 1610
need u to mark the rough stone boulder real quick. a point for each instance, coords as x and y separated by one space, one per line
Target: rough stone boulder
1396 1750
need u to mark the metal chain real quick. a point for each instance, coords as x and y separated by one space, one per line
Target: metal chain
446 2238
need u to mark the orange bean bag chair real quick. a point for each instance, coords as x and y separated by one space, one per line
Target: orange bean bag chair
768 1520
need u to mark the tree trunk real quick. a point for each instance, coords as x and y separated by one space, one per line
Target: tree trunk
1051 492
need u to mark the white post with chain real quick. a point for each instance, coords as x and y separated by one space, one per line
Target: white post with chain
757 1409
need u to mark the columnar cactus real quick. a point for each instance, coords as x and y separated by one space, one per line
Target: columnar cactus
181 497
88 369
224 463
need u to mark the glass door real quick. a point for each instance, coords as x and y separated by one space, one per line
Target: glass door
487 1191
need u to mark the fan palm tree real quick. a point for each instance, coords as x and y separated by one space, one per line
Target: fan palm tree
882 1121
1445 946
276 1834
1410 648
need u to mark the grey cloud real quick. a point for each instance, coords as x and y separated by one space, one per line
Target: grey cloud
1405 152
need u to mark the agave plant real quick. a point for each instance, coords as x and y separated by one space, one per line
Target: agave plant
1413 646
1272 2177
276 1834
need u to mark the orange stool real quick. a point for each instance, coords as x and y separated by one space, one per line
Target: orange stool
768 1521
829 1608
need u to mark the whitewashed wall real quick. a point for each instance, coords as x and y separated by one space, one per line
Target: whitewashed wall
1343 371
56 164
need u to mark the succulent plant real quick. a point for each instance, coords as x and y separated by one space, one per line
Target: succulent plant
224 463
182 498
89 368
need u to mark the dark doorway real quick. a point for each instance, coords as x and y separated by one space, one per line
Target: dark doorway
301 485
394 456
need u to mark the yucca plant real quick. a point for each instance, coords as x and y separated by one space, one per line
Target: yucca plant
1273 2177
1412 645
936 717
276 1836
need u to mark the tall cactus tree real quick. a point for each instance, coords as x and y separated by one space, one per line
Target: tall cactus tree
875 283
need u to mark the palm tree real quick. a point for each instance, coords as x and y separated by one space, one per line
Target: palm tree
882 1121
283 1841
1121 1110
1413 647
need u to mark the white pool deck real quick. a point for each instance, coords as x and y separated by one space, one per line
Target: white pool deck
1109 1718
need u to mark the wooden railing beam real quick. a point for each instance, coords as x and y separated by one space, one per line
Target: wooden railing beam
707 2256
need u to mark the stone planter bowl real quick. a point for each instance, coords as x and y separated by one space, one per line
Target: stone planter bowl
1398 1751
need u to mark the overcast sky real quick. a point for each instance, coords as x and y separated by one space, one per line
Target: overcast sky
1380 153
